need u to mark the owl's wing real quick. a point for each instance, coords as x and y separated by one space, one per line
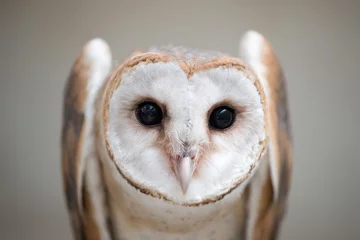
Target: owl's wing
258 53
79 156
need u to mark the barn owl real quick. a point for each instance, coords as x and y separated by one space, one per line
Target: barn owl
176 143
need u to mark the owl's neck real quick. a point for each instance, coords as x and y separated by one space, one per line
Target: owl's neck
136 215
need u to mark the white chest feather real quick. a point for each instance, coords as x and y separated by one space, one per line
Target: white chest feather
140 216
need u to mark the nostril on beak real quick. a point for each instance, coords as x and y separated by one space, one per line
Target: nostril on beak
184 164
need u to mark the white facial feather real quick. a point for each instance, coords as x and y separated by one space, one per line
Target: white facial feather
228 155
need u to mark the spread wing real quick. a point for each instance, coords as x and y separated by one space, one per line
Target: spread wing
258 53
88 75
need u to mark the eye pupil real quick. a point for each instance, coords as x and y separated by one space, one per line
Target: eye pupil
149 113
222 117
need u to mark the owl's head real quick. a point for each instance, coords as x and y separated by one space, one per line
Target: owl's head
184 125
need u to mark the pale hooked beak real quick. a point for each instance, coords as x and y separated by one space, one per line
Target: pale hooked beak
184 170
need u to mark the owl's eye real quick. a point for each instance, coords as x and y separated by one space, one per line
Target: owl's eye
149 113
222 118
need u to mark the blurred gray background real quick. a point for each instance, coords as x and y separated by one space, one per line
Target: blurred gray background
316 41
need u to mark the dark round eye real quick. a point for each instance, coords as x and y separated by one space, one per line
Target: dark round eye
222 117
149 113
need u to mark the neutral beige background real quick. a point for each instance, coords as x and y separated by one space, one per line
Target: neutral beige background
316 41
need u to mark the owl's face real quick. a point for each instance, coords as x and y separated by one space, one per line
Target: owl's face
186 133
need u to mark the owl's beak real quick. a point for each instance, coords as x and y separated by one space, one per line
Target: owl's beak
184 169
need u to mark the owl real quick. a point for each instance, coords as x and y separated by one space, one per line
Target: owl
176 143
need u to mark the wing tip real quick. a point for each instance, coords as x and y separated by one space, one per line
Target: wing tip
97 53
252 44
252 34
255 45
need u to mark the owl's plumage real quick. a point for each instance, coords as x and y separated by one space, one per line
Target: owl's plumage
183 177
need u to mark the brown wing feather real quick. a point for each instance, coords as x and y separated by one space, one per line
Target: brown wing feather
72 140
280 148
74 135
275 188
